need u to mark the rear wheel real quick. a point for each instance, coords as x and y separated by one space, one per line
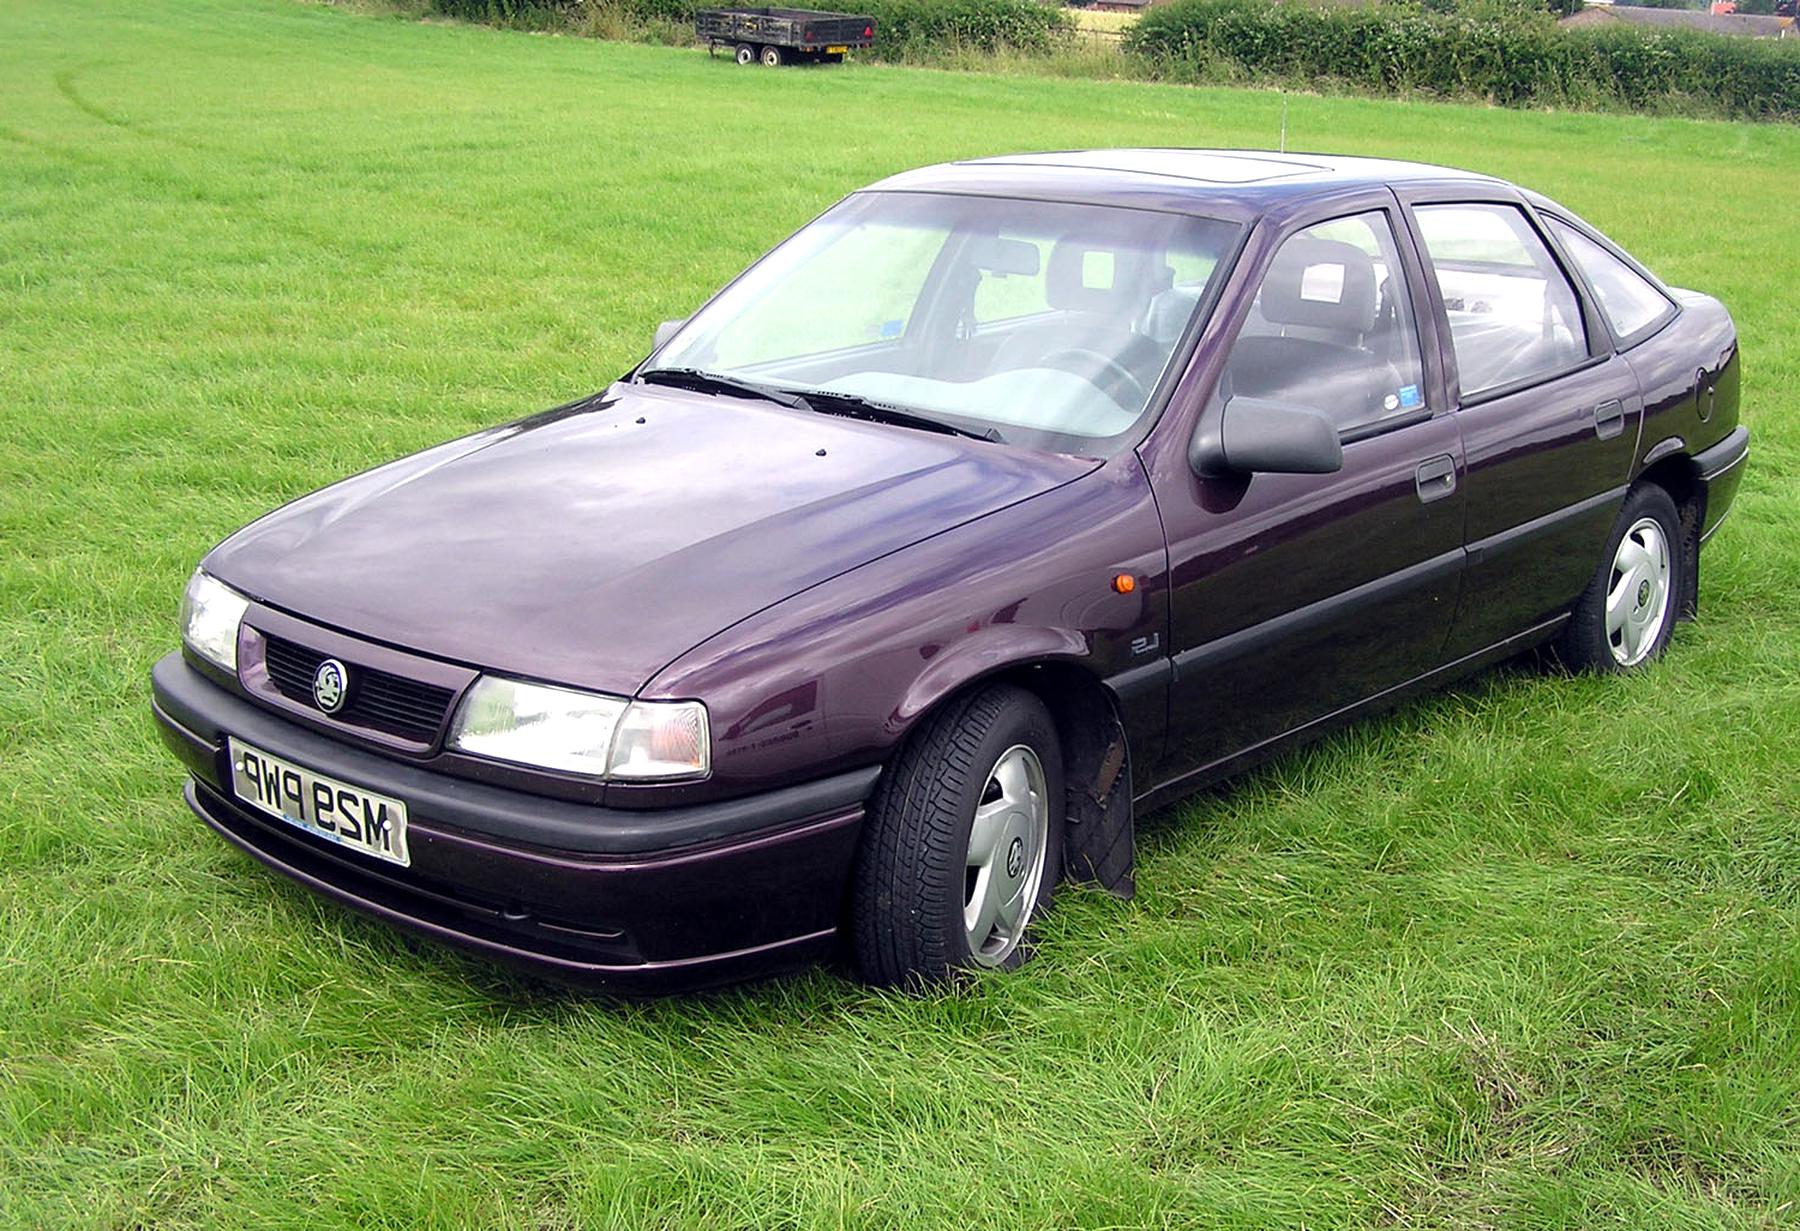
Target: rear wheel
1626 615
773 57
962 846
745 54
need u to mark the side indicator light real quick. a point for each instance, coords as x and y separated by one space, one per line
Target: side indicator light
1124 583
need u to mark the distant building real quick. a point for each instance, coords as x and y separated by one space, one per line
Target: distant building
1740 25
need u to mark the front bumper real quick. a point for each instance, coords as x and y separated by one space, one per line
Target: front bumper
625 900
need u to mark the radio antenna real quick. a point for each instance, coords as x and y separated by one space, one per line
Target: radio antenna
1284 102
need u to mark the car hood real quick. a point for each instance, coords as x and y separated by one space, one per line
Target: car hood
593 544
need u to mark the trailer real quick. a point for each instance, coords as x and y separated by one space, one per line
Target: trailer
783 36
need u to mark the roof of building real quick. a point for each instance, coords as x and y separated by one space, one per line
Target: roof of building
1739 25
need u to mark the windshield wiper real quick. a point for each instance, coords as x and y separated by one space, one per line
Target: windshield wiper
712 382
824 401
854 406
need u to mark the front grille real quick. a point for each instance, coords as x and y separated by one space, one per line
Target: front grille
378 700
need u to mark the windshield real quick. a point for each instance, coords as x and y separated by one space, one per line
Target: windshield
1034 322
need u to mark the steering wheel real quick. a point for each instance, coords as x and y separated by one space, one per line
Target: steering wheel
1103 372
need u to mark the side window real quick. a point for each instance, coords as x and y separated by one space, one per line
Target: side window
1630 303
1332 329
1513 315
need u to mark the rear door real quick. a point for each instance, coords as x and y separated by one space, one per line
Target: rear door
1548 412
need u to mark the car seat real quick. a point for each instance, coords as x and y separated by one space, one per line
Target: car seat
1095 313
1320 298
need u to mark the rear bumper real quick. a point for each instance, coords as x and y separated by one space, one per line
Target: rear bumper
629 901
1721 469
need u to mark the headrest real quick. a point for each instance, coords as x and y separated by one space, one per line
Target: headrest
1322 283
1090 273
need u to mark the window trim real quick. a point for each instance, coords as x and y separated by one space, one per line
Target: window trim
1590 313
1627 341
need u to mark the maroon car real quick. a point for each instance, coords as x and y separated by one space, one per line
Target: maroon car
1002 502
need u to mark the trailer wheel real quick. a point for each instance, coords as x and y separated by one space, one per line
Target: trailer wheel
746 54
773 57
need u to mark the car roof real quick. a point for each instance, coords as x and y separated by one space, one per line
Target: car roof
1200 181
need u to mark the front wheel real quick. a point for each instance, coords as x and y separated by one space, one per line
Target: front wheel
1627 614
962 845
745 54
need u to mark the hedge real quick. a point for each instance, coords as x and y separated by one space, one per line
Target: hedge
902 27
1510 60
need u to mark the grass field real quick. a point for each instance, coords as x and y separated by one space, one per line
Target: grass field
1525 955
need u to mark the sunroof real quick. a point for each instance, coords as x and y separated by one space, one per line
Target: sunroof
1210 166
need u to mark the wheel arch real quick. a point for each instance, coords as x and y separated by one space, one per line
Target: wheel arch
1678 474
1098 843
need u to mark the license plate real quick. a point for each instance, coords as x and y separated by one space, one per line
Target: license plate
836 51
336 811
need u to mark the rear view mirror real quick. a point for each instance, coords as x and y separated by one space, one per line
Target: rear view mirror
1006 256
1253 435
664 332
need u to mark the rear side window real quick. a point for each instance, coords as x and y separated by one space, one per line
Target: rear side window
1631 303
1332 329
1514 317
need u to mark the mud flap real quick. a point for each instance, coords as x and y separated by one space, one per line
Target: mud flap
1692 513
1097 838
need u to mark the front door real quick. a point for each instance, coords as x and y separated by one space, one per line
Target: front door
1294 596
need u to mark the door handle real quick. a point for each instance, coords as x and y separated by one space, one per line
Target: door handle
1435 478
1609 419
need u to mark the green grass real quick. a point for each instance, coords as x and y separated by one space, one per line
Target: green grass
1524 955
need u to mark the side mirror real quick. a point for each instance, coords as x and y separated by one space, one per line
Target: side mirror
1253 434
664 332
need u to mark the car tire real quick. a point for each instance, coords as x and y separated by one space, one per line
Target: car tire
1627 614
773 57
745 54
934 893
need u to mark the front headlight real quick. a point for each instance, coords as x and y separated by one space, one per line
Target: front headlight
582 732
210 614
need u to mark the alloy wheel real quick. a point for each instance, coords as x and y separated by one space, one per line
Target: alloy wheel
1637 598
1005 860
